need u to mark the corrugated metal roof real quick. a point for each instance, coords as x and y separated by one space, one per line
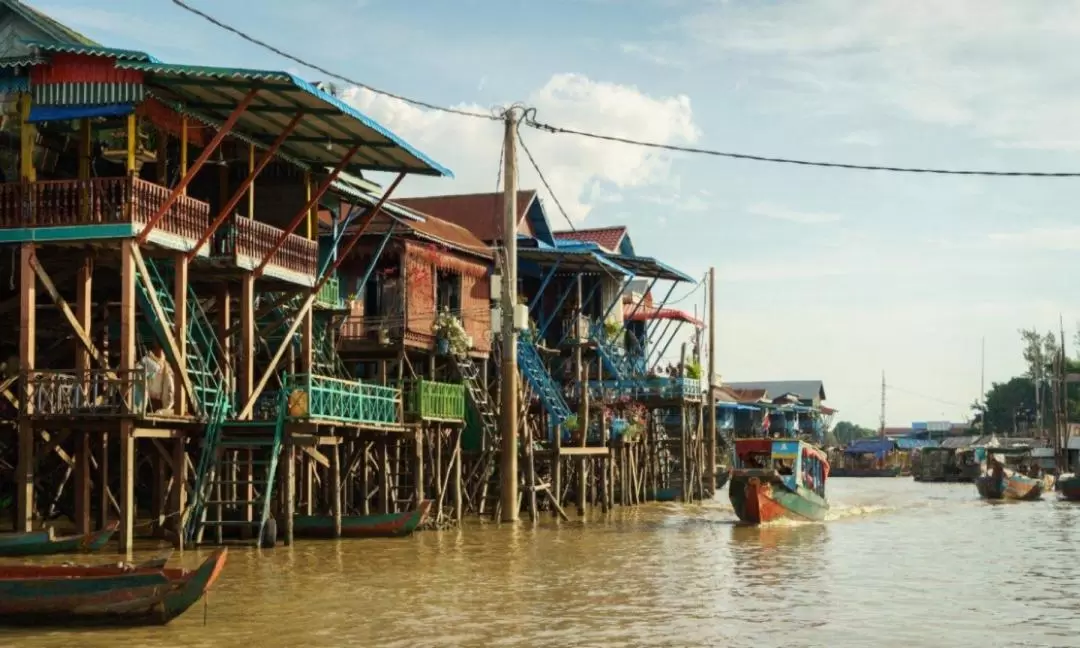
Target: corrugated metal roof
327 130
807 389
649 267
51 27
20 61
481 214
608 238
87 49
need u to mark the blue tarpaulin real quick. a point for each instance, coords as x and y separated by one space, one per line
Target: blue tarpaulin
877 447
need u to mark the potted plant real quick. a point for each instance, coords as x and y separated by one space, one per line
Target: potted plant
450 334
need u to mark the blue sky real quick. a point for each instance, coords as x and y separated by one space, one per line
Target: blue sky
822 273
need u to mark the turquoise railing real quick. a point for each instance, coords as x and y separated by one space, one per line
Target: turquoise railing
658 387
436 400
347 401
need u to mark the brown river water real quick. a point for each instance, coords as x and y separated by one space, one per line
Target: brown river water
897 564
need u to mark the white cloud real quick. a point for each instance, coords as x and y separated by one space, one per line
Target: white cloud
574 166
1003 69
654 53
861 138
1040 238
778 212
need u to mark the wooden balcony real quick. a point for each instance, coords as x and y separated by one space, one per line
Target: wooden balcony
246 243
98 208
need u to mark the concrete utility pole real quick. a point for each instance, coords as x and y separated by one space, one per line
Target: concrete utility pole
710 397
508 409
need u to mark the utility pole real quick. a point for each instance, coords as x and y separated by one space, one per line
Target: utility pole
710 397
881 431
508 408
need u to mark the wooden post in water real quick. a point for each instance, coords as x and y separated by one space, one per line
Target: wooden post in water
710 396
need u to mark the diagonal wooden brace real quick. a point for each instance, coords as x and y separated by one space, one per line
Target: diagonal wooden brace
242 189
194 170
315 198
65 308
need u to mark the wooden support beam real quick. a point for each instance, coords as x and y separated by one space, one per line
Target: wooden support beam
178 494
129 259
246 410
186 179
245 379
27 355
248 183
83 312
335 488
159 314
303 213
317 456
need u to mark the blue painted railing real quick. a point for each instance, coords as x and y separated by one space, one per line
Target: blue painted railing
658 387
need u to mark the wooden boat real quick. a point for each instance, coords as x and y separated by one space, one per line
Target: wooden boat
387 525
112 595
44 543
775 479
999 482
1069 487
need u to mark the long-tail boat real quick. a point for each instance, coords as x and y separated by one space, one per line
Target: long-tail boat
116 595
775 479
386 525
44 543
999 482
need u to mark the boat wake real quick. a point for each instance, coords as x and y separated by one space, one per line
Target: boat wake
843 512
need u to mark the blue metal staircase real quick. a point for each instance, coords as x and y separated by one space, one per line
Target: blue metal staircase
532 367
617 362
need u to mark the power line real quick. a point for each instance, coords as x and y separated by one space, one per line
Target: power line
545 182
549 128
761 158
263 44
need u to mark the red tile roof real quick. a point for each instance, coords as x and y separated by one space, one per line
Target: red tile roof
608 238
481 214
437 230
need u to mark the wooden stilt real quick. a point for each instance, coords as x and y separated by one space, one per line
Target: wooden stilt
27 358
83 304
178 494
127 366
335 488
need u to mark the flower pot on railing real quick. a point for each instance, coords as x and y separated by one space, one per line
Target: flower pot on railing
384 336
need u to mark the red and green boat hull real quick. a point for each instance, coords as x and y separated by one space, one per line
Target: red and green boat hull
759 500
42 543
387 525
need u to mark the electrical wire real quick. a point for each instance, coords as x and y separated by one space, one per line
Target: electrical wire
263 44
543 180
553 129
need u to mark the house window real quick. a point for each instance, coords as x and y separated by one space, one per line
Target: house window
448 291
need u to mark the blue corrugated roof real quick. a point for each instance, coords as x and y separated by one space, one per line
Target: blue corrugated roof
879 447
281 95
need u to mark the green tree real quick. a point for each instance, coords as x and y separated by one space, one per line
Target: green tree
1004 400
846 432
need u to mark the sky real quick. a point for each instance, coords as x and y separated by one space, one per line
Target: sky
821 273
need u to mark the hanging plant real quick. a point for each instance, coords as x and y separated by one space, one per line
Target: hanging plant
693 370
449 328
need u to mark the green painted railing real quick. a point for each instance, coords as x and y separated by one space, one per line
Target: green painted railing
436 400
348 401
330 294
